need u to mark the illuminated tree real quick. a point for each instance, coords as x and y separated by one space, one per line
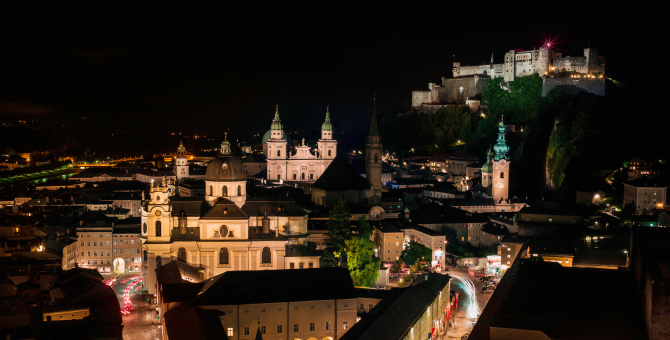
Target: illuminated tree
361 260
339 230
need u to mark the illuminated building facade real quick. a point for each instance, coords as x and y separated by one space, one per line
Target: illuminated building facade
223 231
302 164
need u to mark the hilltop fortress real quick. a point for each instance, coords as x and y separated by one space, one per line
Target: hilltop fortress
584 72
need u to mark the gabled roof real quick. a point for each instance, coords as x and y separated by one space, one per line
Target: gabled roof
224 208
340 175
269 286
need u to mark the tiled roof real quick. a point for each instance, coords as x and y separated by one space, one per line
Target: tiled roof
269 286
224 209
173 271
340 175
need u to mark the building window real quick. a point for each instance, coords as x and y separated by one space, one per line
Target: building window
370 306
329 153
224 191
311 176
302 176
158 228
362 306
263 330
345 324
181 254
311 327
292 265
266 256
158 261
279 329
223 231
223 256
145 256
327 325
295 328
311 265
502 175
239 190
278 153
211 190
301 265
246 330
294 176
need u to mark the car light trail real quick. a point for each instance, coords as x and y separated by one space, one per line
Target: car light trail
470 290
126 294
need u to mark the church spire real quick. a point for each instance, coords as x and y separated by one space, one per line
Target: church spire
276 122
374 131
501 147
225 145
327 125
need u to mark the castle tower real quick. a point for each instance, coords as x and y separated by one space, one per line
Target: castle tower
487 169
276 145
181 162
327 145
491 57
501 164
373 159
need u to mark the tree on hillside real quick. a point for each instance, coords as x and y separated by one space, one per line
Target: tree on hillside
339 231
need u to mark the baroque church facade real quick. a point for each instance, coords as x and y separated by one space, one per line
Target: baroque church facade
224 230
301 164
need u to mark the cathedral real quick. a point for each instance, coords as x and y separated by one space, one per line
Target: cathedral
224 230
302 163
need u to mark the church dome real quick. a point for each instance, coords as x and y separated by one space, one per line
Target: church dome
225 169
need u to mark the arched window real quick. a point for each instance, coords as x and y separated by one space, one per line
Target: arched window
145 228
225 191
181 254
266 256
329 153
146 256
278 153
302 176
211 190
294 177
158 228
375 158
159 261
223 256
502 175
239 190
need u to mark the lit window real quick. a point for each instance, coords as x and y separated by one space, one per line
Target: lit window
230 331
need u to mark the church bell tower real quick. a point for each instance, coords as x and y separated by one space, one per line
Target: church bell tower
181 162
373 159
501 164
327 145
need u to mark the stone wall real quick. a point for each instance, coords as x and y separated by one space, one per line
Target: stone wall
591 85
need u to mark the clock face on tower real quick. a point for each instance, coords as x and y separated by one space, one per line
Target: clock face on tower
158 212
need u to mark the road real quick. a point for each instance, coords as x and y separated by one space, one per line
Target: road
137 325
471 301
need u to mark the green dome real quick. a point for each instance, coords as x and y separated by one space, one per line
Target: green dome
327 126
276 122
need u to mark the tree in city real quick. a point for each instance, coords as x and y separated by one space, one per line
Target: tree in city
361 260
406 280
451 236
339 231
416 252
363 265
396 267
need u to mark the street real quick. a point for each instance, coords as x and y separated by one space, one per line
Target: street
471 301
137 325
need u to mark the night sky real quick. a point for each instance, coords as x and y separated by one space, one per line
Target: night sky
208 70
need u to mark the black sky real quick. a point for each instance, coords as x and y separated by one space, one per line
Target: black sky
211 69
